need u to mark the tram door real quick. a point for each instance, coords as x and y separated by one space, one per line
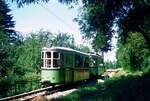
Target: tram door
68 67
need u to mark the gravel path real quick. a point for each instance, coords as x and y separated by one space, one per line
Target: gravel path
59 94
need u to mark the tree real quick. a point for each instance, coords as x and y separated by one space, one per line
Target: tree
8 39
29 60
6 23
135 54
63 40
98 17
22 2
83 48
135 20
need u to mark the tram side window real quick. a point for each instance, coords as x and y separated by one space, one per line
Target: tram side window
78 61
56 55
68 60
86 62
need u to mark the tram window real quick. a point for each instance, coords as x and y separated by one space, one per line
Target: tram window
78 61
56 63
48 54
68 60
81 62
42 63
62 60
48 63
86 63
56 55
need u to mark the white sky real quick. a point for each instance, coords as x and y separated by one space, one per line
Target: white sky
53 16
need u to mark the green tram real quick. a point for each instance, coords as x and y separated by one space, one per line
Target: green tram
65 65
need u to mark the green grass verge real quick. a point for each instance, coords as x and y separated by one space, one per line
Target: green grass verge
120 88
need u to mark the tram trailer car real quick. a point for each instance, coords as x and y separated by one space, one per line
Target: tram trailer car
96 67
64 65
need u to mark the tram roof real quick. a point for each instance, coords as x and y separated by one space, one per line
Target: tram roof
63 49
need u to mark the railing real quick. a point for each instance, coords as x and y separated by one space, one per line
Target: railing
18 87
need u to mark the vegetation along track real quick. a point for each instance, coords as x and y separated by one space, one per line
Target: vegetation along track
44 91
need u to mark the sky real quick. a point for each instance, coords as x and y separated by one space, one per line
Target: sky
52 16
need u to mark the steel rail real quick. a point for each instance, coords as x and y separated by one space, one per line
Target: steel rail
32 94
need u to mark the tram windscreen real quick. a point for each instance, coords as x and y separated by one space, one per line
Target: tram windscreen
48 63
48 54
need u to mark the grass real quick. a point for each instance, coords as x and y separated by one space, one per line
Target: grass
131 87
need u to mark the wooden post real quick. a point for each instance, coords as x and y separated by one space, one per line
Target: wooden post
15 87
31 85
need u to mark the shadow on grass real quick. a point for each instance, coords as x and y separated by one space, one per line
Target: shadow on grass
123 88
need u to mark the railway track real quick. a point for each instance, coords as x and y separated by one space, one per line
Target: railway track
32 94
43 91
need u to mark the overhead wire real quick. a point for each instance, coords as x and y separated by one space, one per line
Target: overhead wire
57 17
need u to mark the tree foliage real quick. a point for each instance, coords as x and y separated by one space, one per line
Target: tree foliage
83 48
135 19
98 18
29 60
135 54
9 39
95 25
63 40
23 2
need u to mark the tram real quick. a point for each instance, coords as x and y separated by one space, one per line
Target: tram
64 65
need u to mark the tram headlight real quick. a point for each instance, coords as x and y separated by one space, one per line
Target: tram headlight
53 78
